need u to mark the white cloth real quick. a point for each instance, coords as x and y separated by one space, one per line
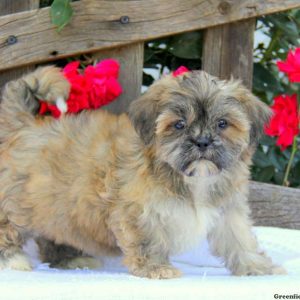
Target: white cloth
204 277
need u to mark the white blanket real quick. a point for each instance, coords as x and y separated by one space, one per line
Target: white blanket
204 277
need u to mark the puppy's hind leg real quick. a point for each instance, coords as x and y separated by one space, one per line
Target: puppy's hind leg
11 254
65 257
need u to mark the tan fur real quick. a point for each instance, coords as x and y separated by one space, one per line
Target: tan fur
93 182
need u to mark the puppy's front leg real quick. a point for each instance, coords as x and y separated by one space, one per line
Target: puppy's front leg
153 266
233 240
144 254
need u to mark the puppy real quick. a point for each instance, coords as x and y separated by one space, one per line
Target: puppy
148 186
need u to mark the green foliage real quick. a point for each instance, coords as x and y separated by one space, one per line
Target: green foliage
45 3
172 52
61 13
283 29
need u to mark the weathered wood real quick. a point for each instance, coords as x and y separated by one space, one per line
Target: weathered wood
228 50
11 6
96 25
274 205
131 60
8 7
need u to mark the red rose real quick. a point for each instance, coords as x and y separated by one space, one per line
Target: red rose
108 68
101 81
97 86
71 69
113 89
77 100
291 66
54 111
180 70
45 107
285 120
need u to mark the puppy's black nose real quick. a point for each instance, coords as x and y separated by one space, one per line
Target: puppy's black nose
203 142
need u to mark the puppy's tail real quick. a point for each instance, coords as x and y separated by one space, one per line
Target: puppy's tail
20 98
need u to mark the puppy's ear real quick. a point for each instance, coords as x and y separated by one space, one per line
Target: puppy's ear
259 115
143 113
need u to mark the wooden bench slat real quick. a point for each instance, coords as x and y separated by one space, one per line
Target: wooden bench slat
131 58
96 25
274 205
8 7
228 50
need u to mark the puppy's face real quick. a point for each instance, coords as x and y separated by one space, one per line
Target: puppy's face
198 124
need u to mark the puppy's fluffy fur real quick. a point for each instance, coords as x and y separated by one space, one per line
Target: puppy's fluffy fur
148 185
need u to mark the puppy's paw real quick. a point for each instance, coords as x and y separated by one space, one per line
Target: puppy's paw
157 272
261 270
262 265
278 270
50 85
78 263
18 261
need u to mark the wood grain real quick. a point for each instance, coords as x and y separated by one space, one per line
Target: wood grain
9 7
96 25
12 6
131 59
274 205
228 50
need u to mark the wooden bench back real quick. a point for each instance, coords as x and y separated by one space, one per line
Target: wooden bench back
119 28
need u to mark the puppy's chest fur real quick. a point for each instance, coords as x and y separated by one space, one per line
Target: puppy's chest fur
175 224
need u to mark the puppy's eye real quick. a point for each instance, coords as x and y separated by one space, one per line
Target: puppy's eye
222 124
179 124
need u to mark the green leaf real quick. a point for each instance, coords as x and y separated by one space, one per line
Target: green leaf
266 174
286 24
191 64
267 140
278 161
296 15
261 160
264 80
147 79
148 54
186 45
45 3
61 13
278 177
296 171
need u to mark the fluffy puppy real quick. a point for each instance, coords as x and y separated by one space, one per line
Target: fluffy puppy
149 185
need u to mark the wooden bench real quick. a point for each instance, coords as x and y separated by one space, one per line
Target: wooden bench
118 29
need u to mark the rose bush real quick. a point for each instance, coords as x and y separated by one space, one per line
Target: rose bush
285 121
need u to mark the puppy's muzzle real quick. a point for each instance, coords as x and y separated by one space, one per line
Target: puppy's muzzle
203 142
